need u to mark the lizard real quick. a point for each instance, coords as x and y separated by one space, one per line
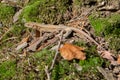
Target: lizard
51 28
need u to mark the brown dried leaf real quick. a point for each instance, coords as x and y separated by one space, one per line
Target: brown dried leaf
69 52
118 60
107 55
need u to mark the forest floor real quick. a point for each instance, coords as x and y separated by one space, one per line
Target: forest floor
89 29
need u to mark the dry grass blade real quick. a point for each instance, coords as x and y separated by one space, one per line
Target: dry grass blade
6 33
12 38
47 72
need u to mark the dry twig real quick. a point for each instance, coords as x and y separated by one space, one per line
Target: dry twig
57 51
47 72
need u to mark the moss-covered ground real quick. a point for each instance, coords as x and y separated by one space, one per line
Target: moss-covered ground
31 67
108 27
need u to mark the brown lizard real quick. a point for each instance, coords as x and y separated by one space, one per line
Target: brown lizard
51 28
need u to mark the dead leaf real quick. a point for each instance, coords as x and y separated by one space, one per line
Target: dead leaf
118 59
107 55
69 52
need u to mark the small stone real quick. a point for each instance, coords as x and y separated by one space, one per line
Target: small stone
78 67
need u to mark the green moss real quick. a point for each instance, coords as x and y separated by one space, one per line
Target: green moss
7 70
6 13
32 66
51 11
114 42
90 63
77 2
108 27
15 31
98 24
18 29
30 12
65 69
